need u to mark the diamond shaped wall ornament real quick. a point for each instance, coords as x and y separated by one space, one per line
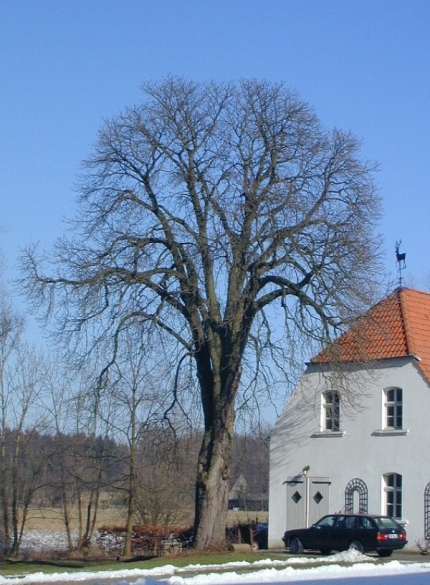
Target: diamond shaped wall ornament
296 497
318 497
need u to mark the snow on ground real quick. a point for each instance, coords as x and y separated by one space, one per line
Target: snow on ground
361 570
42 540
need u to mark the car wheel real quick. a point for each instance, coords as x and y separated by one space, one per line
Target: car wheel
385 553
356 545
296 545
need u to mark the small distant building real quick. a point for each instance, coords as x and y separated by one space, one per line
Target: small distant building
359 441
237 496
242 498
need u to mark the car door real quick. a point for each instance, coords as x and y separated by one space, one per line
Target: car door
319 535
342 532
365 532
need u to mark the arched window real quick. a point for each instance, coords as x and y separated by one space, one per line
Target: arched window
393 408
356 485
331 411
427 512
393 495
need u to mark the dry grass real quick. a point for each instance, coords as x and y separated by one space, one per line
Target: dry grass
51 519
243 517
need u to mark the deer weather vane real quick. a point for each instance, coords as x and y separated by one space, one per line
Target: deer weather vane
401 261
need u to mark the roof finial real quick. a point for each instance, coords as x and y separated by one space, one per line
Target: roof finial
401 261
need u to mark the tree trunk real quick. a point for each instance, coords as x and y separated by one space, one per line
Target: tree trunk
95 512
219 378
130 509
213 483
131 505
4 496
15 480
80 516
4 487
66 511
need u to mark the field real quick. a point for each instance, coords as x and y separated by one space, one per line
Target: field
51 519
45 530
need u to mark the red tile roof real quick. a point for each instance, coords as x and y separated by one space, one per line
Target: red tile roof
397 326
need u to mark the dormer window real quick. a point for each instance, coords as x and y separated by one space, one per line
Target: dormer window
394 408
331 411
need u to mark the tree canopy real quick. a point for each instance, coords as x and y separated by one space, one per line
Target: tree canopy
202 208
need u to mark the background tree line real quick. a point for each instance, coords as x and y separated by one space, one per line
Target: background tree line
69 443
79 475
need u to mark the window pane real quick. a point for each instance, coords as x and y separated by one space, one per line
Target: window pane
390 416
399 422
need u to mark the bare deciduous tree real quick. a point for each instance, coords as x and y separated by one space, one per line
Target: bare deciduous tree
135 404
25 389
11 327
166 477
21 418
79 448
201 207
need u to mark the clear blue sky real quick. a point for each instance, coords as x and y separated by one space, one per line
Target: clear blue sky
65 65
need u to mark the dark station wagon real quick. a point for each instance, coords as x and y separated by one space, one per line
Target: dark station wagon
339 532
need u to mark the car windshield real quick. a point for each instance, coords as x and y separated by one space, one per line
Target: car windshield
386 522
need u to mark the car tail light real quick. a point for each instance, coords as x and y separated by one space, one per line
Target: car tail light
383 536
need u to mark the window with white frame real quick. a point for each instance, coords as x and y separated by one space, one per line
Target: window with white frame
393 495
394 408
331 411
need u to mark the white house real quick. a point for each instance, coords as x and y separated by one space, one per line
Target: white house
357 437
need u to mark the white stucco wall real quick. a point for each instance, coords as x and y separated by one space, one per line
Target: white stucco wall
361 452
